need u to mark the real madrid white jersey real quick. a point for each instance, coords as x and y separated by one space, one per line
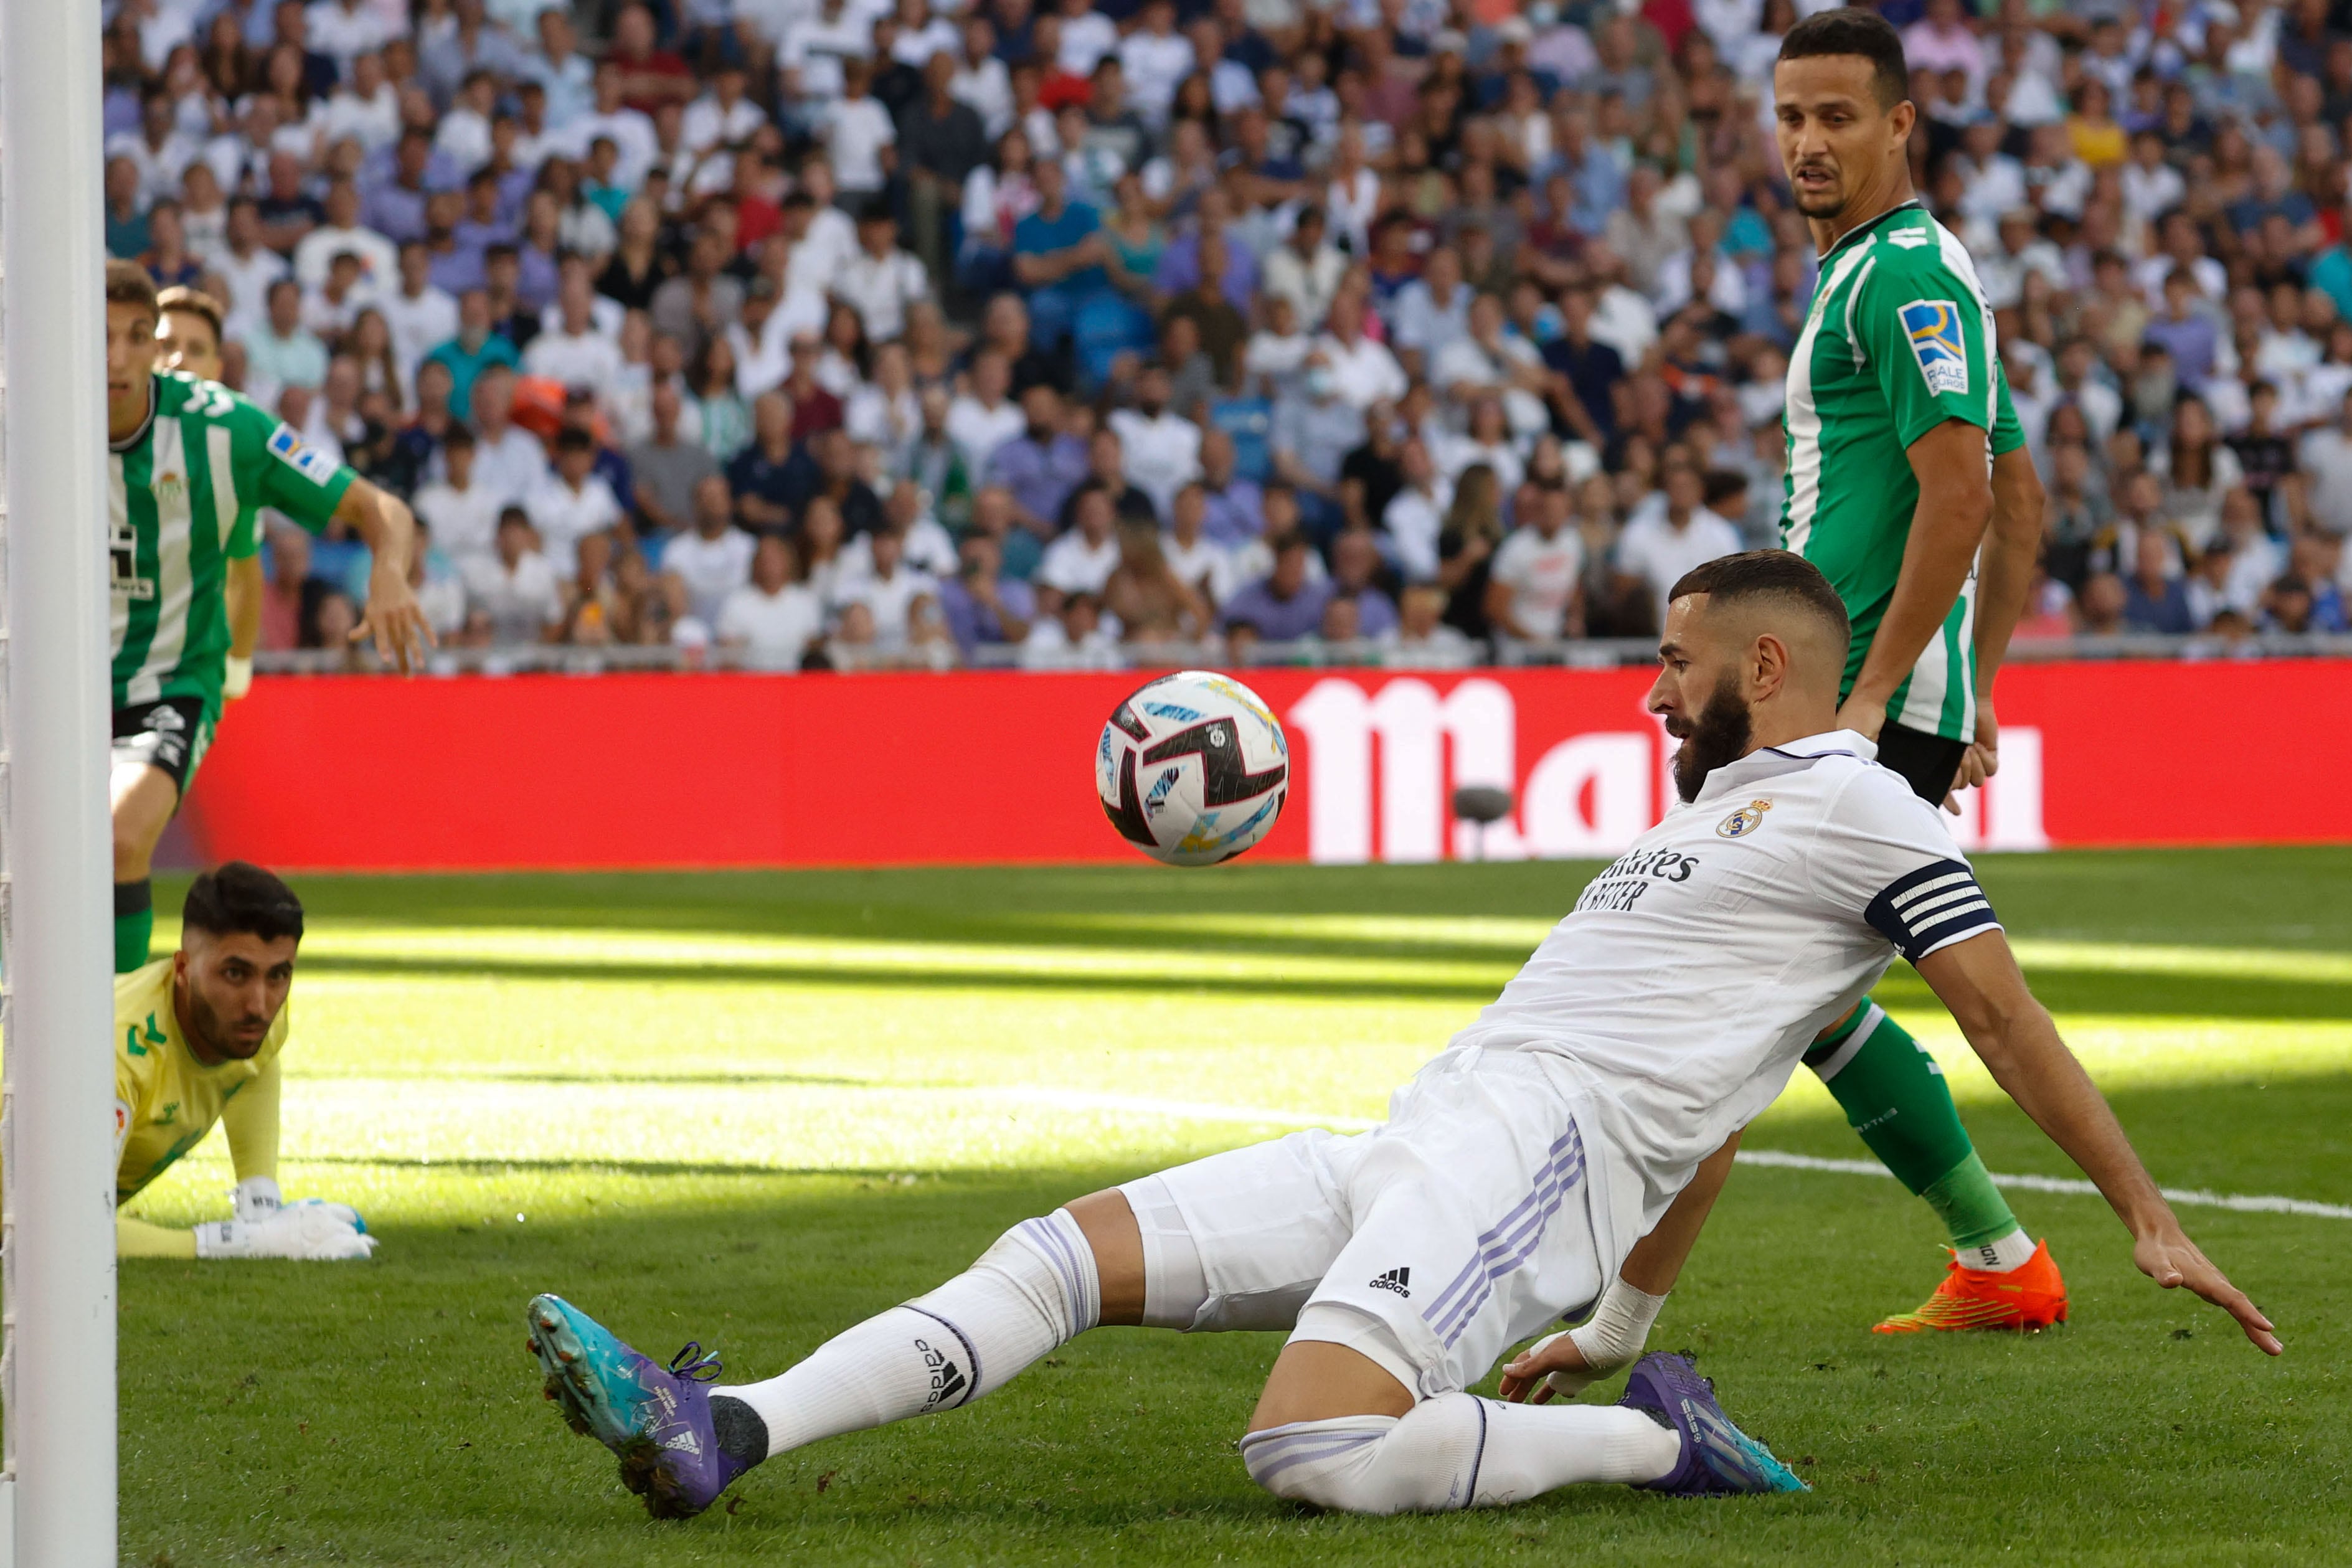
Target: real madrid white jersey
1698 967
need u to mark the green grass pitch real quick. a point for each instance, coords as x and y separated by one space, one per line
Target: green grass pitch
752 1109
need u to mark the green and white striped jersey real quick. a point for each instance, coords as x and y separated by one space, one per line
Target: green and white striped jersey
1899 340
181 500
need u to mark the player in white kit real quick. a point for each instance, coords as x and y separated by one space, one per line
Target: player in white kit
1560 1157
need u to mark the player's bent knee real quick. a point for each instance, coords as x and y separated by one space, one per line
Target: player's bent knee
1425 1461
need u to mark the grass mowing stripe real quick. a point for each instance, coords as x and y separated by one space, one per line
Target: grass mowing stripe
2187 1197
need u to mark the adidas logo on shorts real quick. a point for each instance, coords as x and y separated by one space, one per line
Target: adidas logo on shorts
1395 1280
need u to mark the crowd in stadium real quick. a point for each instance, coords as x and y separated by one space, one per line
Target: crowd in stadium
857 332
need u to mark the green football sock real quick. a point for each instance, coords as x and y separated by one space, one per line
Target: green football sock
1894 1095
134 923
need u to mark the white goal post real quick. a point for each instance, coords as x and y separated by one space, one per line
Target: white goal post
58 1477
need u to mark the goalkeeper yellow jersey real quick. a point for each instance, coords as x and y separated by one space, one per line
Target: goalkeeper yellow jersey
166 1101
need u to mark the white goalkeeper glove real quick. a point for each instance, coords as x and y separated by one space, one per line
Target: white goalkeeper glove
256 1198
237 678
1610 1339
308 1231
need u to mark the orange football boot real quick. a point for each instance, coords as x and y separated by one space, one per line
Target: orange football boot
2030 1298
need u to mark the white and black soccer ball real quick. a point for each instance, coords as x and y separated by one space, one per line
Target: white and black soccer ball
1192 768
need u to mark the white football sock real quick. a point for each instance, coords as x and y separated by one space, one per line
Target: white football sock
1037 1287
1456 1451
2014 1250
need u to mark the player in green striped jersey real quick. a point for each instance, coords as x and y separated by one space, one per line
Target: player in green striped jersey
189 465
1902 471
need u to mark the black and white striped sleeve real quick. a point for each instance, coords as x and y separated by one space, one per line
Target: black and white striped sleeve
1931 908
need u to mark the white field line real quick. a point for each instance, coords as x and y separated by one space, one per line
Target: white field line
1196 1110
2187 1197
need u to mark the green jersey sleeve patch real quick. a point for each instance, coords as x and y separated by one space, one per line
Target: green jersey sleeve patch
310 463
1933 326
299 480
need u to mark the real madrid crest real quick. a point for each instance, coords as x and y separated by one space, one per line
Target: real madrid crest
1744 821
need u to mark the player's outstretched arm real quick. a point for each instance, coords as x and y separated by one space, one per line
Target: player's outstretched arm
1955 505
393 618
1614 1337
1979 979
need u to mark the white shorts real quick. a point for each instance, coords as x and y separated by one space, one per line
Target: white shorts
1429 1245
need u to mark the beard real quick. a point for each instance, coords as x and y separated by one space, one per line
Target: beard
1717 733
219 1033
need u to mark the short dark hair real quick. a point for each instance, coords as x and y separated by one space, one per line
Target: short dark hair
192 302
1776 575
128 283
241 898
1852 31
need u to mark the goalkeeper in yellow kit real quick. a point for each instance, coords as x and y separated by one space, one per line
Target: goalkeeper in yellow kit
197 1041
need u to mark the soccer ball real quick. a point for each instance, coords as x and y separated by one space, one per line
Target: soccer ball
1192 768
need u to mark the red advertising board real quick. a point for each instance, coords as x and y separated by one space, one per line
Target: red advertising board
716 770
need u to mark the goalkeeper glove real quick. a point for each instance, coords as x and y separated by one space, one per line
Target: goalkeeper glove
1610 1339
256 1198
310 1231
237 678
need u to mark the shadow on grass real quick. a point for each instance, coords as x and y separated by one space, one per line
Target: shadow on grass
2063 989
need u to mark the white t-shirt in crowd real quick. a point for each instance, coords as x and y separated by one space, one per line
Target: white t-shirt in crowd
1542 576
979 430
891 599
1161 454
1413 521
1655 550
248 282
880 288
465 522
512 467
564 516
773 630
520 603
1074 566
711 568
1204 563
859 129
1365 374
417 325
585 359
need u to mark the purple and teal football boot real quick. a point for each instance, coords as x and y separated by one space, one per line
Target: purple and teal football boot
657 1420
1717 1457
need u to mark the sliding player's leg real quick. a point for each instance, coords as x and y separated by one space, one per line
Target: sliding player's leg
1123 1257
1473 1230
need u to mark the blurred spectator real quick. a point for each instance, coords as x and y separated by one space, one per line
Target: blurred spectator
1661 543
1284 605
983 605
892 591
573 501
770 619
1144 594
514 594
464 514
282 352
1535 594
1355 572
715 558
2155 599
668 468
1421 638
